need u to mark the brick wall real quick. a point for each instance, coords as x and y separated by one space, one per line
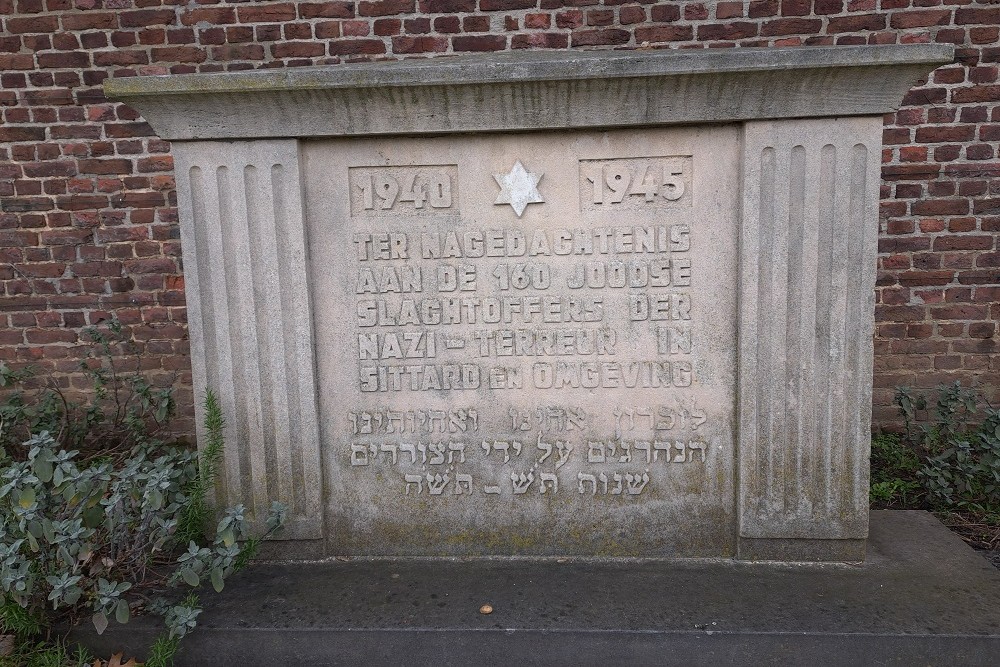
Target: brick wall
88 224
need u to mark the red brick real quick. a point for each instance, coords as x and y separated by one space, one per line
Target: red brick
758 9
66 236
47 336
947 153
19 61
980 152
899 313
32 24
422 44
664 34
328 29
90 21
695 11
447 6
13 133
828 6
211 15
963 312
154 265
941 207
479 43
476 24
506 5
179 54
69 59
963 242
855 23
665 13
540 40
120 58
420 26
346 47
362 29
976 94
920 19
327 10
385 7
237 52
387 27
984 34
143 18
600 17
112 166
790 26
545 20
50 168
570 19
949 75
127 130
631 14
934 135
727 31
298 50
269 13
982 15
734 10
982 329
925 278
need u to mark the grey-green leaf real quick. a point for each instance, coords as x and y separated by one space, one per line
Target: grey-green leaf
43 470
190 577
217 582
121 612
100 622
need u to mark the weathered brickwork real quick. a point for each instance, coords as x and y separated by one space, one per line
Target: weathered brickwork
87 211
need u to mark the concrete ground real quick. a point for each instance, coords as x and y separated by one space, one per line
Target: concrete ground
921 597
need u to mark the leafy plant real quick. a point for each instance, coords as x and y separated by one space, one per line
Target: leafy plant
100 519
961 448
894 467
47 654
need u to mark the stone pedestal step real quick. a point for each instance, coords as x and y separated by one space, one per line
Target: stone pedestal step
921 597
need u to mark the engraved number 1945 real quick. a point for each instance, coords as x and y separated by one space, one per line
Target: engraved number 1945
613 182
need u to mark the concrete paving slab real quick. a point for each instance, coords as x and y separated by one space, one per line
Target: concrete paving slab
922 597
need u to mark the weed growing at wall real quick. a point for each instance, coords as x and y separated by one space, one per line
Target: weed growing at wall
98 518
948 460
962 449
894 467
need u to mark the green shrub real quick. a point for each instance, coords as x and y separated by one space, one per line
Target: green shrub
98 518
894 467
961 448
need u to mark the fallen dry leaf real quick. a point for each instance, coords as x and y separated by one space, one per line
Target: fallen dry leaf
116 661
486 609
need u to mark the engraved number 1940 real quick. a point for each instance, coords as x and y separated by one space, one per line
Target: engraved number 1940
384 191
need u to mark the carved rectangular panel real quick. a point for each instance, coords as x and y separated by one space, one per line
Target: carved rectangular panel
533 373
807 274
250 321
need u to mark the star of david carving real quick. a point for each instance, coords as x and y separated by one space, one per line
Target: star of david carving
518 188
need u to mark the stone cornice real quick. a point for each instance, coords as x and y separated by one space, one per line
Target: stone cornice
531 91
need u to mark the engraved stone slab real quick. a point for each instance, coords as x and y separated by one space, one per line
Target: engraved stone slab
551 377
436 335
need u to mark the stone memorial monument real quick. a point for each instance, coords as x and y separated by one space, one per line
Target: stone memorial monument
595 304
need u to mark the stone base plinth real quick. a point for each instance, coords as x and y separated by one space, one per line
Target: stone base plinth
921 597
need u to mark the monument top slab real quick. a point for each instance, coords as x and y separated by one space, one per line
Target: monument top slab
532 91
